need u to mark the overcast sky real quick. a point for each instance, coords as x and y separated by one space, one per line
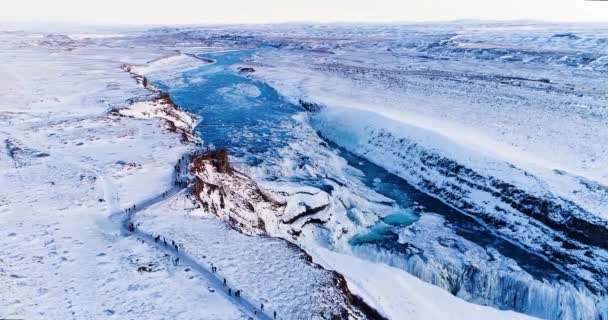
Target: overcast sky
247 11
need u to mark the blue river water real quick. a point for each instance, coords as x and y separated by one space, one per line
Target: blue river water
243 115
253 121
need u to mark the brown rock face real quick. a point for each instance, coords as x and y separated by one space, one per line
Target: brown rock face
219 159
231 195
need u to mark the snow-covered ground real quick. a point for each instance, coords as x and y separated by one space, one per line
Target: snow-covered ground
65 166
468 114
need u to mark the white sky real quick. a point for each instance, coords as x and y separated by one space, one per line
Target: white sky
248 11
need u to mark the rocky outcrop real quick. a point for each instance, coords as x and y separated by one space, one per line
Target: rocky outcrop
245 69
309 106
237 199
161 106
231 195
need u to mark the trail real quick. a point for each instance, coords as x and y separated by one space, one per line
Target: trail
245 303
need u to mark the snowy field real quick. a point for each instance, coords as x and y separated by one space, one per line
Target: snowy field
66 166
450 171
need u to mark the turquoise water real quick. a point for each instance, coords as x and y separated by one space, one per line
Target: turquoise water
246 116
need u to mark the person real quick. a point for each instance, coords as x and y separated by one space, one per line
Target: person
262 306
165 241
176 260
157 238
224 281
176 249
173 243
275 314
229 291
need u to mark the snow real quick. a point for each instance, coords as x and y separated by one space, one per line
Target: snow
157 109
396 292
511 120
173 64
71 166
269 270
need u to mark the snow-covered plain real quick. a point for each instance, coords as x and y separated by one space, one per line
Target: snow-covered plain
65 166
466 113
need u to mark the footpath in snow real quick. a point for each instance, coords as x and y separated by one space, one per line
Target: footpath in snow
224 287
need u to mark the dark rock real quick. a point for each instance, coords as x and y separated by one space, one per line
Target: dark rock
246 70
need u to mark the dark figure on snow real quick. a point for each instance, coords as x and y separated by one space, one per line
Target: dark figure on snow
262 306
165 241
229 291
275 314
156 238
224 281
